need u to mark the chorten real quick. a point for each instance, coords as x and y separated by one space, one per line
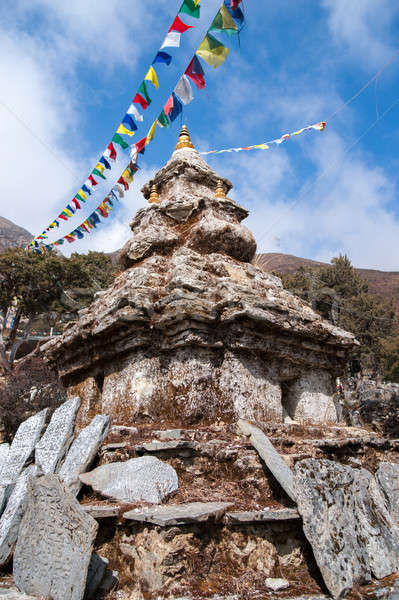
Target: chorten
192 331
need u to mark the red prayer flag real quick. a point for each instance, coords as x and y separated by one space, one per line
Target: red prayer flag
140 100
141 144
102 211
234 4
168 106
93 181
76 203
63 217
112 151
69 238
194 73
179 26
124 183
83 226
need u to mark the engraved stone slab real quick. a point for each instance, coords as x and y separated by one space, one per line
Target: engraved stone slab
256 516
101 512
20 450
270 456
12 516
387 476
56 440
347 523
55 542
82 452
179 514
145 478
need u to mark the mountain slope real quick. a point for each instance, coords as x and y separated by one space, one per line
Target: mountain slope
12 235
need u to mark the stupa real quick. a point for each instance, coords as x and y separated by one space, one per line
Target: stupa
192 331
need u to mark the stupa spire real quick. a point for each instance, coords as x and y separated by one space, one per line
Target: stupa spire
154 198
220 191
184 140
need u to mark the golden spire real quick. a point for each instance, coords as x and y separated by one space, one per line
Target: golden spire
154 198
184 140
220 192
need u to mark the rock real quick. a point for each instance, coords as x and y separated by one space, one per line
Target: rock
387 476
345 520
14 594
179 514
62 536
4 450
169 434
12 516
108 583
82 452
270 456
138 479
20 450
53 445
377 404
276 584
101 512
124 430
256 516
166 446
95 574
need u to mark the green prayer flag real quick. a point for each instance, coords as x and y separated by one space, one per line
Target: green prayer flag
79 197
224 22
163 119
212 51
143 92
189 8
119 140
97 172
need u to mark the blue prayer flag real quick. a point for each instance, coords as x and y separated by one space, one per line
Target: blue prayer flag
86 189
237 14
104 162
163 57
177 108
127 119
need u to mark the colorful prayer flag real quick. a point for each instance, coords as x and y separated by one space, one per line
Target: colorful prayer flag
163 119
124 130
118 140
112 151
212 51
179 26
98 173
152 76
236 13
183 90
162 57
189 7
196 73
92 180
132 110
224 22
124 183
104 161
76 203
172 40
177 108
128 121
151 133
168 106
141 145
144 92
138 99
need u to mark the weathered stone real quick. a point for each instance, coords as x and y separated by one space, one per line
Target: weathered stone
95 573
138 479
191 330
124 430
20 451
169 434
55 542
14 594
100 511
270 456
257 516
4 450
12 516
54 443
276 584
179 514
345 519
165 446
387 476
82 452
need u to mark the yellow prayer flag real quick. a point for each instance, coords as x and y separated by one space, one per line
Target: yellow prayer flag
81 192
127 176
123 129
152 76
100 167
68 212
151 133
262 146
212 51
196 2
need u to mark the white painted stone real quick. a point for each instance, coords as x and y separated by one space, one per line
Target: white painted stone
11 518
53 445
82 452
276 584
138 479
310 398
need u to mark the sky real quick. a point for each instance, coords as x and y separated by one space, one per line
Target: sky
69 71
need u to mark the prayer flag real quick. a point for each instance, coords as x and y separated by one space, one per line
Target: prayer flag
172 40
71 209
102 211
86 189
133 167
98 173
84 227
62 216
104 161
123 182
127 175
66 211
168 106
189 7
163 119
94 217
179 26
81 198
132 110
124 130
144 92
140 100
114 195
183 90
112 151
162 57
108 199
151 133
177 108
70 238
152 76
76 203
127 120
88 225
141 145
81 194
92 180
118 140
196 73
119 190
78 233
100 167
224 22
212 51
236 13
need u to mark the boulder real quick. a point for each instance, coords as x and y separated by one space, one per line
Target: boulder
138 479
347 524
55 542
82 452
54 443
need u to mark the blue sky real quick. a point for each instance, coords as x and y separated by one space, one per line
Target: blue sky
69 71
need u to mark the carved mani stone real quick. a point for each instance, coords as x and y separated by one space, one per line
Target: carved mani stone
82 452
145 478
55 542
21 449
54 443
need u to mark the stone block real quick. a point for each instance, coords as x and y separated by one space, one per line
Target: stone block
179 514
101 512
82 452
138 479
169 434
262 516
309 399
55 542
54 443
270 456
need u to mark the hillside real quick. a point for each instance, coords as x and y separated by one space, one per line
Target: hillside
12 235
383 284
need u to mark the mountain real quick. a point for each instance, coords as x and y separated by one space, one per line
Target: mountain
383 284
12 235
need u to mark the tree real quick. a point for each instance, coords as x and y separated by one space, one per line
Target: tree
391 358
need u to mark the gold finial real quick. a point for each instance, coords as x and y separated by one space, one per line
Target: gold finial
154 198
220 192
184 140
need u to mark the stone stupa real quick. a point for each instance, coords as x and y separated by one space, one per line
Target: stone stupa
191 331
